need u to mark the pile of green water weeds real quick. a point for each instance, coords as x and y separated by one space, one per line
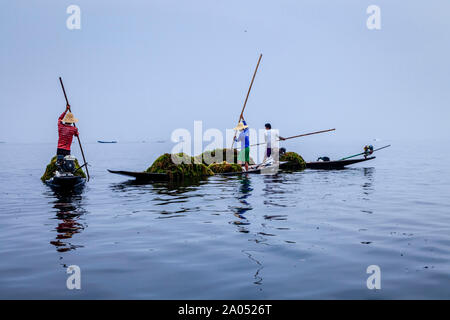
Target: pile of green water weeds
295 162
219 155
225 167
184 167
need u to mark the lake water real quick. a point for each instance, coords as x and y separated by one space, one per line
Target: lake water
310 234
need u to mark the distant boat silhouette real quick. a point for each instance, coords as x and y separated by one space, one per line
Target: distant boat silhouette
100 141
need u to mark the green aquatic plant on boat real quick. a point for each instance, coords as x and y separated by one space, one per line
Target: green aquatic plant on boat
225 167
294 161
51 168
183 167
218 156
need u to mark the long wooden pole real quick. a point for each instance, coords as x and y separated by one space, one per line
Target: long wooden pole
246 98
308 134
78 137
298 136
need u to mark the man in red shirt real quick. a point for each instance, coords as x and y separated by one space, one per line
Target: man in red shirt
66 131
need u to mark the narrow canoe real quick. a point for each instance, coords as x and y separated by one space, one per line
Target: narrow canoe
146 176
143 176
338 164
99 141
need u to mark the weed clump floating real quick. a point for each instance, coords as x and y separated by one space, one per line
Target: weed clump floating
295 162
218 156
225 167
179 167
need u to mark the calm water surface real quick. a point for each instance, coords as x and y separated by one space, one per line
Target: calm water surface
310 234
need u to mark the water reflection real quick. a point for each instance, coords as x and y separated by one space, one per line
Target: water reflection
69 213
367 185
245 191
258 278
169 188
240 211
169 200
273 190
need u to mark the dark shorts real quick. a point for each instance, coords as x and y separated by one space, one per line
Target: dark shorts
62 152
269 152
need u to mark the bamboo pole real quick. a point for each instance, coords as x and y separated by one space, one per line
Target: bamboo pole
297 136
78 137
246 98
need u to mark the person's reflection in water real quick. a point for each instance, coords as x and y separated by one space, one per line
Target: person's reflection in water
367 188
245 190
368 185
69 214
273 191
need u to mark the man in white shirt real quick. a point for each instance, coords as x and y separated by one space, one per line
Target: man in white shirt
271 138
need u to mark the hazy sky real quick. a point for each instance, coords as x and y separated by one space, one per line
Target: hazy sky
136 70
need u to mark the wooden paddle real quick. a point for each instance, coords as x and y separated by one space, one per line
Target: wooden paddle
78 137
359 154
246 98
297 136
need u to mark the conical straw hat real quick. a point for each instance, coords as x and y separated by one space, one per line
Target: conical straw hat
241 126
69 118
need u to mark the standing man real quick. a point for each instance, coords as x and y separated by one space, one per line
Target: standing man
271 138
244 138
66 131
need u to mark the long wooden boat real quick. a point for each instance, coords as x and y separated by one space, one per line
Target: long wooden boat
146 176
338 164
100 141
142 176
